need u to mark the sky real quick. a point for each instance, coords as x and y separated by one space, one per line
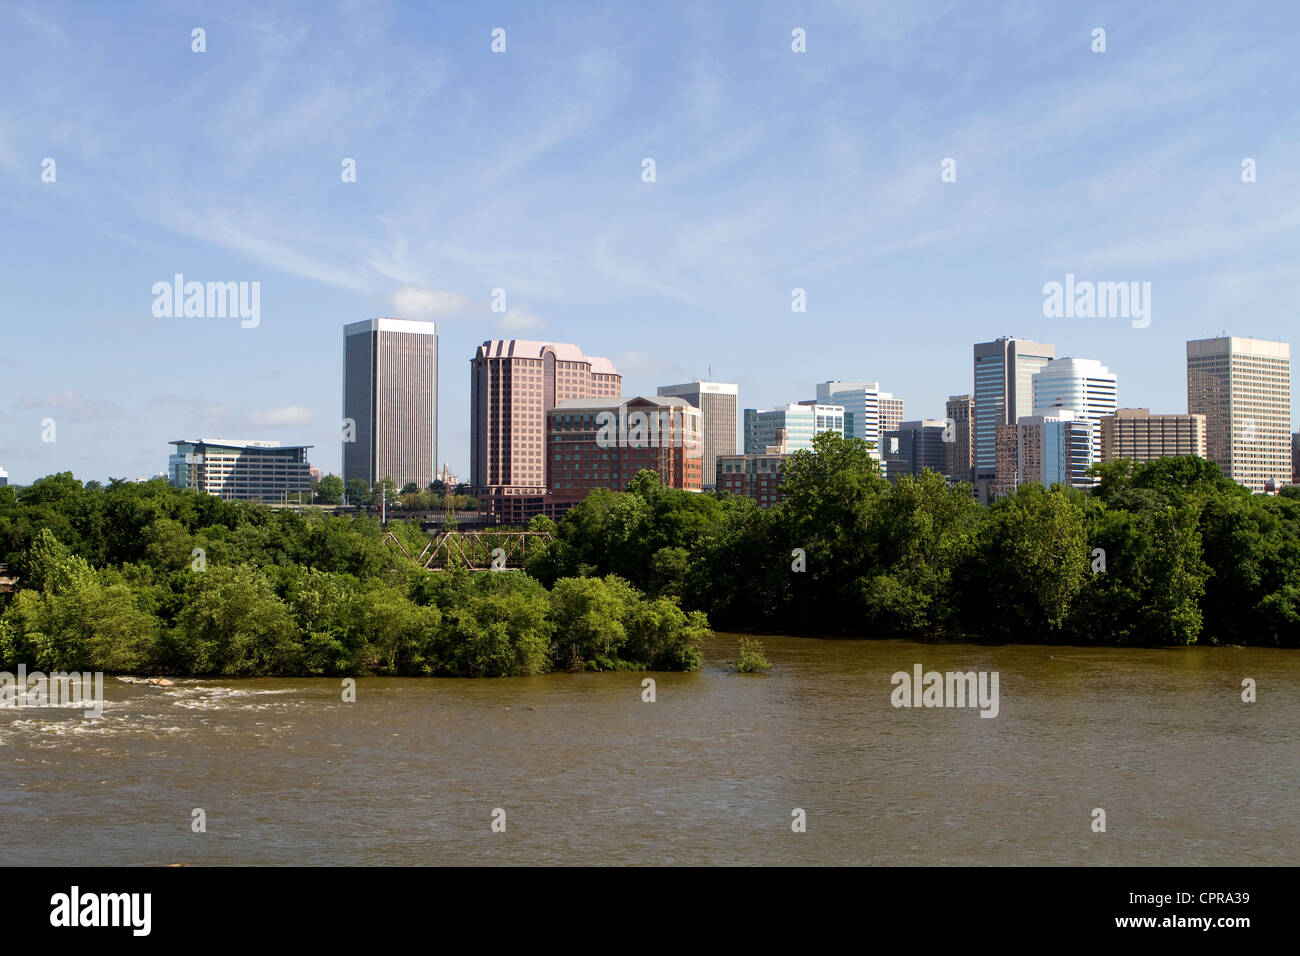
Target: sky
522 170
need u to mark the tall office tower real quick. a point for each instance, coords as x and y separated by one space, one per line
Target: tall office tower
802 421
513 383
868 412
913 447
1084 386
390 401
717 403
1004 370
1295 458
1136 433
960 450
1243 388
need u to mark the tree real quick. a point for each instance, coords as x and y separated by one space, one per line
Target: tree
233 624
358 492
1026 565
385 487
329 490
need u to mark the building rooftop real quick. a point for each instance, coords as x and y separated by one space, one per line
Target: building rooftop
527 348
237 443
613 401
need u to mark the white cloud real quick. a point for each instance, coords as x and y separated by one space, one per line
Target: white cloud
643 363
519 319
412 301
289 415
73 405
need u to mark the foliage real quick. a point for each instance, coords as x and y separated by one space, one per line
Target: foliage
751 659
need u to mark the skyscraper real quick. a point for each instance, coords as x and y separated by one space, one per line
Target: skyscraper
390 401
513 383
868 412
1004 370
961 449
1083 386
717 403
1243 388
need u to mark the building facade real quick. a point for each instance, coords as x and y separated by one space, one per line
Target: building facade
915 446
1083 386
960 411
390 401
1136 433
1050 449
800 422
755 476
718 404
1004 371
598 443
1243 388
868 411
235 469
513 383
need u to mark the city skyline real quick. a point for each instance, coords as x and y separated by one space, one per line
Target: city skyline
775 171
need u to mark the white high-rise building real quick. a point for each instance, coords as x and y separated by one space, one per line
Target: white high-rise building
1083 386
868 412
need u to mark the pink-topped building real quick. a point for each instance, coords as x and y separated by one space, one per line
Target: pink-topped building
513 383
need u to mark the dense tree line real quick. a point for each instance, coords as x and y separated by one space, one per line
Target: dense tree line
1163 553
1167 552
147 578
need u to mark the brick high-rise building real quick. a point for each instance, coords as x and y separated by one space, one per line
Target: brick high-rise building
756 476
1243 388
513 383
603 443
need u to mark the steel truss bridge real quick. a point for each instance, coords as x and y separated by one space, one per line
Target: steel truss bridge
476 550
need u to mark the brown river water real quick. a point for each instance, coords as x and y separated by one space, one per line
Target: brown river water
709 773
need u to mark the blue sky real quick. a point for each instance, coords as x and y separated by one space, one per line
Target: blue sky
522 170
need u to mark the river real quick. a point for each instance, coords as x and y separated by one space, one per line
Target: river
709 773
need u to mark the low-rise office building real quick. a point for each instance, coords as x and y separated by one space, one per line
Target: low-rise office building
1136 433
241 470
